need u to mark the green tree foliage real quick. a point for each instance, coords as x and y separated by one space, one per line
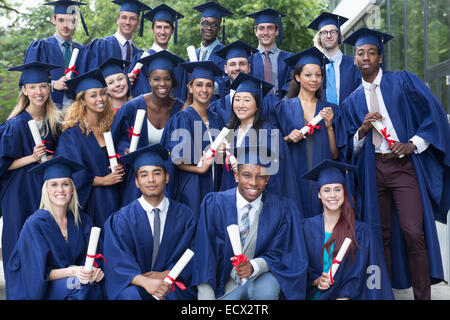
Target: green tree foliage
101 17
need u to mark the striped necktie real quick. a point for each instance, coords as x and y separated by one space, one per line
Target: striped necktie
244 224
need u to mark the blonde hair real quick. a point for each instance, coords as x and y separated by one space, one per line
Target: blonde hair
76 115
73 206
52 116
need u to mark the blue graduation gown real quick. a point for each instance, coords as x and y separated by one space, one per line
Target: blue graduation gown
123 121
279 242
141 85
20 191
283 183
129 248
223 108
290 116
97 202
99 51
353 274
42 248
186 187
350 78
284 71
414 110
48 51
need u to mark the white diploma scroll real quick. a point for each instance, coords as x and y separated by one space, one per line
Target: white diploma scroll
313 122
136 130
235 239
379 127
36 136
111 150
92 248
137 68
191 54
73 59
215 145
340 256
178 267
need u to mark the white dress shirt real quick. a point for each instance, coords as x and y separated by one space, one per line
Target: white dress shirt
123 48
419 142
156 47
163 206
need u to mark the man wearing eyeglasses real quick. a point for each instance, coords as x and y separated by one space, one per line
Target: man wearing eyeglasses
342 75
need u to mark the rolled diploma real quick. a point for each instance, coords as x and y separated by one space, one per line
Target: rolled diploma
140 115
230 156
340 256
178 267
111 150
313 122
379 126
139 65
92 248
235 239
216 143
36 136
191 54
73 59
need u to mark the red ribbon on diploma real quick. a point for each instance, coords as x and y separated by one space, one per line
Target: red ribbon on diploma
386 136
96 256
227 161
71 69
44 142
311 128
213 154
136 73
331 267
239 258
132 133
178 283
115 156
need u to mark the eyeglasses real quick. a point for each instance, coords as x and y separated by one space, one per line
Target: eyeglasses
326 33
206 24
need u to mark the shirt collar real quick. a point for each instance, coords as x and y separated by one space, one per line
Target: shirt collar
211 46
241 202
162 206
376 81
156 47
121 39
61 40
272 50
337 57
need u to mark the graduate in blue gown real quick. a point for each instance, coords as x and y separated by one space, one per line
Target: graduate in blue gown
137 265
362 272
117 83
189 133
119 45
268 26
162 17
58 49
327 140
48 261
237 55
82 140
342 68
417 123
275 262
159 106
18 152
248 128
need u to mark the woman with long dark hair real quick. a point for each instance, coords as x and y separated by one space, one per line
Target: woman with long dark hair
304 101
325 234
248 128
188 133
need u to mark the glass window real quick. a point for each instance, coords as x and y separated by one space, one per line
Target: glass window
396 46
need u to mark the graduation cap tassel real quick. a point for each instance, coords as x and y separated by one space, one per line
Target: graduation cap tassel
339 30
223 31
175 36
347 182
280 26
84 24
141 27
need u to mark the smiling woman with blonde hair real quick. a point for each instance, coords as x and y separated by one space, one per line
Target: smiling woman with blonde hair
82 140
48 260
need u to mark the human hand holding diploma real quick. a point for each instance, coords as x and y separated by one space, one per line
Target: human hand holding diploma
36 136
235 239
111 150
92 255
135 130
137 68
176 270
211 152
383 131
338 259
309 127
72 68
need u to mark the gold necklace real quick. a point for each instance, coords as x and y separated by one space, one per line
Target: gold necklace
64 233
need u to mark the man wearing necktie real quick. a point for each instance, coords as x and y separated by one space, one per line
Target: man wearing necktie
342 76
145 239
274 255
58 49
403 172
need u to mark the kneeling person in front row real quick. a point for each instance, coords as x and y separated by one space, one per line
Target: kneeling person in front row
145 239
271 236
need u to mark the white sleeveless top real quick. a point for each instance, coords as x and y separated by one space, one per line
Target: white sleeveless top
154 135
